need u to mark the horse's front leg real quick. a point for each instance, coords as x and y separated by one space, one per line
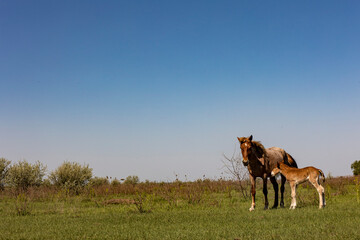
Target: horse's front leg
253 192
276 190
265 191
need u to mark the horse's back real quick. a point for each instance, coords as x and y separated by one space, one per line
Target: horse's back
274 156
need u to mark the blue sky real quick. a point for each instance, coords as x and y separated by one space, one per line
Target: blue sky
158 88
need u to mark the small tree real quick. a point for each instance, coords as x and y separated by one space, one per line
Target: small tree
132 180
236 169
99 181
71 176
4 167
24 174
115 182
355 166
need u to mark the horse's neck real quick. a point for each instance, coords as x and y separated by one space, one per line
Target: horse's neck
256 163
259 159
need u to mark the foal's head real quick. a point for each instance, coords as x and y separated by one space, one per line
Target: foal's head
277 169
246 148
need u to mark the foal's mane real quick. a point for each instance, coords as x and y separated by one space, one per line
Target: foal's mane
259 148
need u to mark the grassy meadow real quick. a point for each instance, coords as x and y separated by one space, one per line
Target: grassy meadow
204 209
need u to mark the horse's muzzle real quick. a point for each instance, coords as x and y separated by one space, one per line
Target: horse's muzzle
245 163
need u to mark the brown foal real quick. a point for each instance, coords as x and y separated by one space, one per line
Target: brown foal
296 176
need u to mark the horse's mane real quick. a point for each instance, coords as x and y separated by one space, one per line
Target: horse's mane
259 148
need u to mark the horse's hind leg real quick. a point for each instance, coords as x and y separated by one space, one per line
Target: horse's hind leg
282 189
276 190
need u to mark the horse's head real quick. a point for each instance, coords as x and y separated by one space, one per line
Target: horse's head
246 148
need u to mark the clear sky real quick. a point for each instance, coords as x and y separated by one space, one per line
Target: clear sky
158 88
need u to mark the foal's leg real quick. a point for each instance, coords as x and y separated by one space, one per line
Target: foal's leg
276 190
293 195
282 189
320 190
253 192
265 191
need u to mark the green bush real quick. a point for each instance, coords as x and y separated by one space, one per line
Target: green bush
132 180
71 176
4 166
355 166
24 174
115 182
46 182
99 181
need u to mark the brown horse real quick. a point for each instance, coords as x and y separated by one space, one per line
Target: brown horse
260 162
296 176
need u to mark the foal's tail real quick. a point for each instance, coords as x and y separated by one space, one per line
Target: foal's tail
322 174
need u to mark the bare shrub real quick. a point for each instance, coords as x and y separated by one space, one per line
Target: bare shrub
238 172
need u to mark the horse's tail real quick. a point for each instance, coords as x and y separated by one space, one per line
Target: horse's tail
291 160
322 174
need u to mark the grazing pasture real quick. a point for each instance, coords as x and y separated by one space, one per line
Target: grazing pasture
204 209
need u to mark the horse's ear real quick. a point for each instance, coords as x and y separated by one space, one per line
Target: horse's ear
240 139
250 138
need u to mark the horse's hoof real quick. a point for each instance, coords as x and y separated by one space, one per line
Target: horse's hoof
251 209
274 207
266 207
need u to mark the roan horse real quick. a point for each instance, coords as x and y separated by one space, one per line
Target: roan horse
296 176
260 162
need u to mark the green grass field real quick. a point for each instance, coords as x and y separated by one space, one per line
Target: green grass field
214 215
